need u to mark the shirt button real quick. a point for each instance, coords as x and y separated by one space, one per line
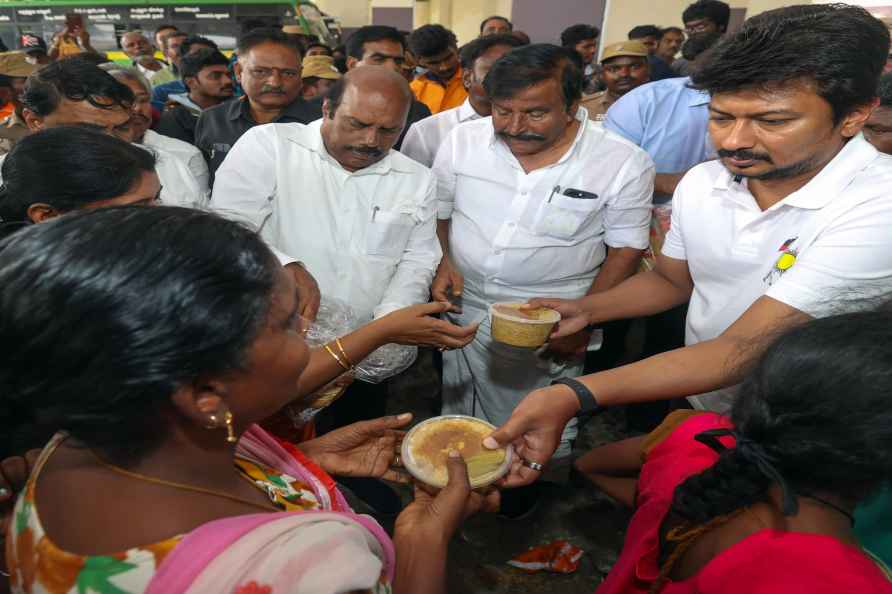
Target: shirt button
498 252
512 224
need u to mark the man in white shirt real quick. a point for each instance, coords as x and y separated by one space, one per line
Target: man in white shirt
181 166
792 222
477 57
533 201
334 195
140 51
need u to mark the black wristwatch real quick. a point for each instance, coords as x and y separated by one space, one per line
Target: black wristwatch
588 404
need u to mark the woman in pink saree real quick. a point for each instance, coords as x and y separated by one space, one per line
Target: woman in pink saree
154 340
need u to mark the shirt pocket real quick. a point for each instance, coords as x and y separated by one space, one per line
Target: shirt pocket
563 217
388 234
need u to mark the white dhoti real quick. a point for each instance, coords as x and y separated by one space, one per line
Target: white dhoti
488 379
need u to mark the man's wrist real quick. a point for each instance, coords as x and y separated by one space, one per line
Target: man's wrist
587 403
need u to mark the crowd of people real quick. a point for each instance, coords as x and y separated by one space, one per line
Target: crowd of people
149 353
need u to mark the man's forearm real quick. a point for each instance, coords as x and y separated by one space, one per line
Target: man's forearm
687 371
621 263
665 183
443 235
638 296
702 367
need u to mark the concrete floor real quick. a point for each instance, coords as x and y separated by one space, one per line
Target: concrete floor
577 513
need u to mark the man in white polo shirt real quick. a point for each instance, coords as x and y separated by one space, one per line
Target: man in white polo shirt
535 201
424 138
333 195
793 222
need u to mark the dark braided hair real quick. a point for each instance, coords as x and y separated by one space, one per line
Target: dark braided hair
816 408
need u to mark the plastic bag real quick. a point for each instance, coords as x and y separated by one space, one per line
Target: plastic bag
335 319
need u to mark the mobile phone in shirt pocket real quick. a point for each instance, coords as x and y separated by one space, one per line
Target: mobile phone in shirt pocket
563 216
388 233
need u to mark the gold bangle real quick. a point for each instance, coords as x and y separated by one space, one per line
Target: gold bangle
344 354
336 358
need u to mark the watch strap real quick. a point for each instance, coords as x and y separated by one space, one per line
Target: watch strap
588 404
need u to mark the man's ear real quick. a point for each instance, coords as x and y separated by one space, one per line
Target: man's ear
466 78
32 120
351 62
237 70
41 212
327 113
856 119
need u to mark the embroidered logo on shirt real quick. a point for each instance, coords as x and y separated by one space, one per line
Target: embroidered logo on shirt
784 262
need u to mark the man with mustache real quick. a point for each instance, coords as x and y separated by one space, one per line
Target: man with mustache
269 70
140 51
334 194
535 200
180 166
623 68
206 76
790 224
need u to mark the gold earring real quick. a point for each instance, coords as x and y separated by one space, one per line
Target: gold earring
230 432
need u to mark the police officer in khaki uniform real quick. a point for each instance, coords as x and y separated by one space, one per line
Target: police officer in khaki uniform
623 68
14 70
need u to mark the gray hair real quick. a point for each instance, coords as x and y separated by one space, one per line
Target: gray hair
127 73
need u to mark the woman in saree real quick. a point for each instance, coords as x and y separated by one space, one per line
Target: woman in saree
153 340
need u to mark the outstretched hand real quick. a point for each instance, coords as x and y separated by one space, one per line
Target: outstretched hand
534 429
367 448
574 318
415 325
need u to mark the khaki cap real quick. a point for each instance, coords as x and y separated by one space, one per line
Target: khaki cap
632 48
320 67
15 64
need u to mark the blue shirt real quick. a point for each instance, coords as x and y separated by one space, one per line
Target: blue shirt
162 92
668 120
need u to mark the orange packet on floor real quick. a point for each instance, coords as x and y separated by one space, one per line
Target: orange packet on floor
556 557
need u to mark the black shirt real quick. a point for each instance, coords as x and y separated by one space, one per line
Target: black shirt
659 69
220 126
178 121
417 112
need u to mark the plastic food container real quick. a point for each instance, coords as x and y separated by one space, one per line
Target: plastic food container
528 328
425 451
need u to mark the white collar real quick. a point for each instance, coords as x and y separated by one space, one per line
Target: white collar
829 183
467 112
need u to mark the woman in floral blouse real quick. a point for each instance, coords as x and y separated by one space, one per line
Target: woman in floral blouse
156 338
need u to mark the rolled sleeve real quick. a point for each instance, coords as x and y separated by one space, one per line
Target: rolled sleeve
849 262
627 221
245 184
411 282
415 147
199 168
444 172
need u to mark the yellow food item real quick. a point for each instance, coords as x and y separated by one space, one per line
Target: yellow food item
431 443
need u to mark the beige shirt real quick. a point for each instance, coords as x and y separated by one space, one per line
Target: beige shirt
597 104
12 129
